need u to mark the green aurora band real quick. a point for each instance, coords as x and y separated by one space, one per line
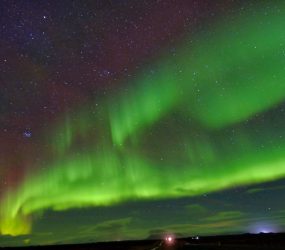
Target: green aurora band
134 146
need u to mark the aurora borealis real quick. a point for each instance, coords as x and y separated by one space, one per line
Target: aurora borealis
119 122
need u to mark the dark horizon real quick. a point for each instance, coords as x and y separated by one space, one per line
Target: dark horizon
260 240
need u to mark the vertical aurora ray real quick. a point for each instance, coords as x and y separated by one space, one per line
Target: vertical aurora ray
220 81
145 103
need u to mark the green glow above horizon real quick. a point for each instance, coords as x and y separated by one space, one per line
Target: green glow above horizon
215 85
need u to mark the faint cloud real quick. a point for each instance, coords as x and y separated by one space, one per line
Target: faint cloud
196 209
111 229
110 225
258 190
225 215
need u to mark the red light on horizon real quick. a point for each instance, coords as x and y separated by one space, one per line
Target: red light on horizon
169 239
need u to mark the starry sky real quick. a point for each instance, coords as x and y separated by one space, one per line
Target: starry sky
137 119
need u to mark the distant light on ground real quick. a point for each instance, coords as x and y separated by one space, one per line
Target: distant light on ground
169 239
264 227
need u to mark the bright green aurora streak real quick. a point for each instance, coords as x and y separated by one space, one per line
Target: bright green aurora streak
215 85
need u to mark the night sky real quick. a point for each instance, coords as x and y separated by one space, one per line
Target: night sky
132 119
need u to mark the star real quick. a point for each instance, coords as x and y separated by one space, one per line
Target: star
27 134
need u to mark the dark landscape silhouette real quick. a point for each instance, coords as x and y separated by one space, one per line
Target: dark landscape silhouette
233 242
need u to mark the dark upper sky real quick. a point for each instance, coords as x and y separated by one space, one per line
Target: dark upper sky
132 119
